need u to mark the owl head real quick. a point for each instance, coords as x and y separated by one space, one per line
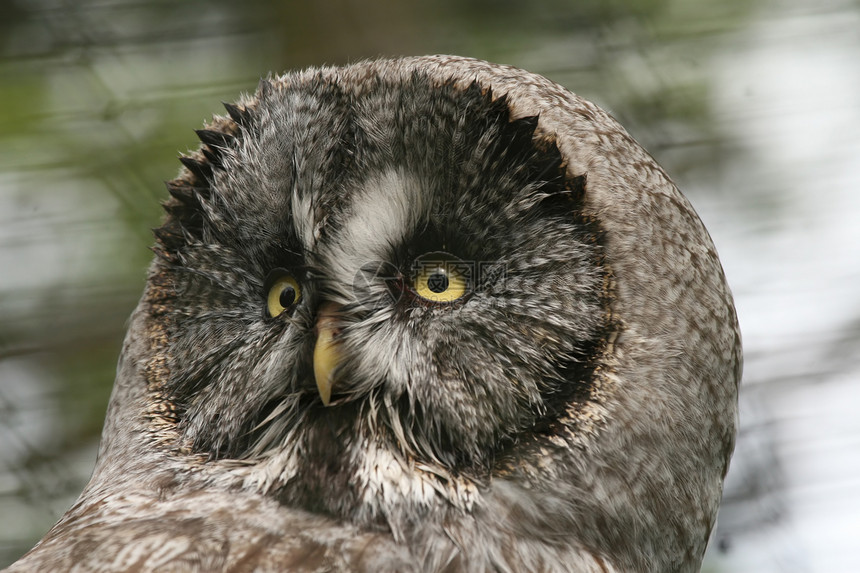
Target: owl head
442 299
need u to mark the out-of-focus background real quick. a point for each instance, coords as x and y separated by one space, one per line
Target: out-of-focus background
753 106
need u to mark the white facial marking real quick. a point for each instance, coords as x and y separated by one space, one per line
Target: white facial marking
387 208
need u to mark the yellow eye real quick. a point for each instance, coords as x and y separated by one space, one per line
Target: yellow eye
284 293
440 278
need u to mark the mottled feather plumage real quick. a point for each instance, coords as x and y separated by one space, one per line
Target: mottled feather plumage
575 411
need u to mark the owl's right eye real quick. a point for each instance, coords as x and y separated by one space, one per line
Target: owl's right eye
283 291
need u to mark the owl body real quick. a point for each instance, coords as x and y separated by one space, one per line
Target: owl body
426 314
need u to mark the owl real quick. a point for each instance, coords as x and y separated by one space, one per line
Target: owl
424 314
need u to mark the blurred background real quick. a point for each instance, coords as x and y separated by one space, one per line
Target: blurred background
753 106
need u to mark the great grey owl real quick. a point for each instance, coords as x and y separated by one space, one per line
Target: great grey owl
425 314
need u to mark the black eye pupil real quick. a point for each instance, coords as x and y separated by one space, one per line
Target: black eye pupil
438 281
287 297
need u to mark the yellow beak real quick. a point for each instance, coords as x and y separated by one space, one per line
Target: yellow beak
326 351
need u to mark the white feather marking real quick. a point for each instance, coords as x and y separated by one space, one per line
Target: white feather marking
388 208
303 219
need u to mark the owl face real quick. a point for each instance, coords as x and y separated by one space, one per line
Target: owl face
404 262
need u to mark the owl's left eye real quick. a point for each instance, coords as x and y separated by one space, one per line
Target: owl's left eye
283 291
440 278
